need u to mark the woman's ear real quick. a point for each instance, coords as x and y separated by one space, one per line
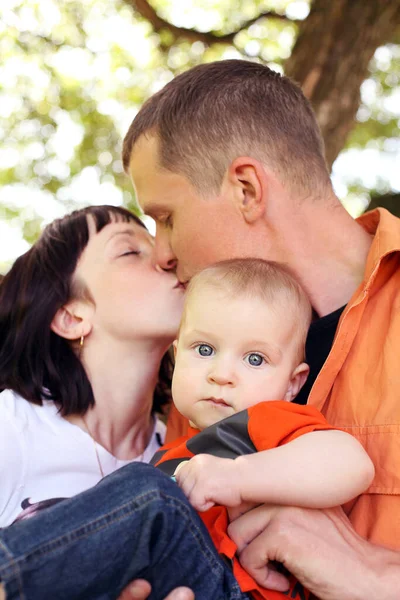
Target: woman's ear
72 320
297 380
175 347
249 180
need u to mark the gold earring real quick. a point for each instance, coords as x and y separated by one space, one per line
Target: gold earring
81 345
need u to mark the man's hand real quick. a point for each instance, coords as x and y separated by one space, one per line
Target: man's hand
320 548
207 480
140 590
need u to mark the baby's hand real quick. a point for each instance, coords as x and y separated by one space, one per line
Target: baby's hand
207 480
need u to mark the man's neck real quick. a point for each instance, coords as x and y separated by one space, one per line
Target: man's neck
326 250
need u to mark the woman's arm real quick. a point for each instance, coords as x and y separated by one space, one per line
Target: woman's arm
320 469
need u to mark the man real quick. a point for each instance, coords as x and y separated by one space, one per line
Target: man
228 160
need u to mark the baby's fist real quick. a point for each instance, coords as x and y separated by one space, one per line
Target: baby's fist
207 480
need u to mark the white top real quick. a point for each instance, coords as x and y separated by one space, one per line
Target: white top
44 457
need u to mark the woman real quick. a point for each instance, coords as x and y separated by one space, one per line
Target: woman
85 319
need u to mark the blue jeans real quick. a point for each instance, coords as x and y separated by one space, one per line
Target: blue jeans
134 523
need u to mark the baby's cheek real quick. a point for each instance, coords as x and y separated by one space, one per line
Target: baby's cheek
181 392
176 387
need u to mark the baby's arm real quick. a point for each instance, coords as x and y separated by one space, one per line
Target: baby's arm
319 469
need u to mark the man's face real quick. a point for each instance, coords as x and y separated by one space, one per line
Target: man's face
192 231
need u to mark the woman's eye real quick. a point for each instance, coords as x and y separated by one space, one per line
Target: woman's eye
129 252
204 350
255 360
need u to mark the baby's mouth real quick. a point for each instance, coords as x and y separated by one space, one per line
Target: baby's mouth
218 401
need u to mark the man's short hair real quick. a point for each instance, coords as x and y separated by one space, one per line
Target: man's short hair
265 280
213 113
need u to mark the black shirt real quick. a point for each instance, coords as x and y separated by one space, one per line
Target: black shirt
318 345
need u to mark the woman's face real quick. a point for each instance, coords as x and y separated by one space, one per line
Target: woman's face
133 299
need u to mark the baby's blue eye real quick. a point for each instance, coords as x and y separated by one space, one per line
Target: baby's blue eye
204 350
255 360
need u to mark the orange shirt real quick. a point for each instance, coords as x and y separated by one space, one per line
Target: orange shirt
358 388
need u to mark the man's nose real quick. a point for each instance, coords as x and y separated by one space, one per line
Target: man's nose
222 373
163 255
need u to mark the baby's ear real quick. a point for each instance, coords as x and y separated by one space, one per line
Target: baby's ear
297 380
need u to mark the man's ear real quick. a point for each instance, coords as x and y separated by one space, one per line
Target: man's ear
297 380
249 180
73 320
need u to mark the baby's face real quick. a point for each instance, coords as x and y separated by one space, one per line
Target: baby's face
232 353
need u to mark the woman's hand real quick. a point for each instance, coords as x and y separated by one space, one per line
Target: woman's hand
320 548
140 590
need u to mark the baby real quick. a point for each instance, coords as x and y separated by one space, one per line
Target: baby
239 364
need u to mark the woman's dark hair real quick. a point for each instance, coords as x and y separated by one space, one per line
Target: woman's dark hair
34 361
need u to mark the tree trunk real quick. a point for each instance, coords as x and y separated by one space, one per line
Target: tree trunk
329 59
331 56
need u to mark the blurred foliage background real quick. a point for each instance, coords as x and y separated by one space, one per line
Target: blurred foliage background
73 73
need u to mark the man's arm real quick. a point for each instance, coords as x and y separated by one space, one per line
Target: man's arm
319 469
320 548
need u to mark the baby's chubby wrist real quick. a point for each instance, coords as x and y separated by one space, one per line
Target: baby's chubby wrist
240 475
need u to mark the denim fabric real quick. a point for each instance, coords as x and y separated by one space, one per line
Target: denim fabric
134 523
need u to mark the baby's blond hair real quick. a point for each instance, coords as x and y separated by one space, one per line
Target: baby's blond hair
256 278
